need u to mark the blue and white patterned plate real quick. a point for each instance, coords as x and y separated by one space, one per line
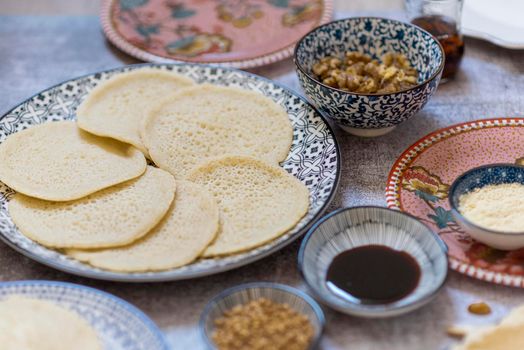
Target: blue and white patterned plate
119 325
314 159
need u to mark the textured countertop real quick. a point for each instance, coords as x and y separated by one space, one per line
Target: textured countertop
39 51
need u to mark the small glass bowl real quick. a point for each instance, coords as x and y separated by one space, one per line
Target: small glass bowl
347 228
296 299
493 174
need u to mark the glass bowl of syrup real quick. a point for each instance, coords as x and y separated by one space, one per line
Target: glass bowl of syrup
373 262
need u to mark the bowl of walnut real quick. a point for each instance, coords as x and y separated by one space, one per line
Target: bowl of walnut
369 74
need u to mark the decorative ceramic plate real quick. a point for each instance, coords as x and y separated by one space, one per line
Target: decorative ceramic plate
233 33
497 22
119 325
314 159
419 181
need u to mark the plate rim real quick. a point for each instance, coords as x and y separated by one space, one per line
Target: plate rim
418 147
116 39
130 278
494 39
486 36
141 315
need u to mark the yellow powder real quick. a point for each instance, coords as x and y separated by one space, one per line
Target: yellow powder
496 207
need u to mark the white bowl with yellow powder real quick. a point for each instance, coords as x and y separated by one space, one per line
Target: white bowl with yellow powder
488 203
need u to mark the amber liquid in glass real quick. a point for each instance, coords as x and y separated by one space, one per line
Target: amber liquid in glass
445 30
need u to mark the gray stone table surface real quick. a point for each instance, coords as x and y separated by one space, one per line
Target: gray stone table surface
39 51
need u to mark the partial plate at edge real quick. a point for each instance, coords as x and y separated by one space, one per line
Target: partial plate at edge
118 324
497 22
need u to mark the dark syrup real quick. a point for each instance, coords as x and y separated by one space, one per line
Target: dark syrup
445 30
373 274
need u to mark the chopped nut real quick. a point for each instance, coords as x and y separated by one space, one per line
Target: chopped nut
262 324
368 85
360 73
330 81
388 58
341 80
352 82
480 308
334 62
320 68
372 70
389 73
458 331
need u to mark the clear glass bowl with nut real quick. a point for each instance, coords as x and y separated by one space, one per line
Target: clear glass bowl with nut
262 316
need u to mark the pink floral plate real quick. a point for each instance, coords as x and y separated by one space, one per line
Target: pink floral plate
233 33
419 181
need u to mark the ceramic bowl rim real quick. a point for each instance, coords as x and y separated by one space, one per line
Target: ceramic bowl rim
454 205
370 312
317 310
419 85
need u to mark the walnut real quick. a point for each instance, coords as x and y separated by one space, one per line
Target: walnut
358 72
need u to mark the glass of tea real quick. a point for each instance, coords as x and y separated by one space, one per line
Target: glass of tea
442 19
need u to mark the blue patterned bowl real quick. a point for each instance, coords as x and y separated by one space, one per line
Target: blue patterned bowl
369 114
299 301
493 174
348 228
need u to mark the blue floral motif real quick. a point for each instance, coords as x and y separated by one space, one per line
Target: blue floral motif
279 3
180 11
126 5
426 196
372 36
442 217
181 42
146 30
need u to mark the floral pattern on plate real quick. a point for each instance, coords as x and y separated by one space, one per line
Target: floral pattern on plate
240 33
313 158
419 181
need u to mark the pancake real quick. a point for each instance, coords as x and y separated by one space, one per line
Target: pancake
187 229
59 162
34 324
186 143
206 121
258 202
116 107
111 217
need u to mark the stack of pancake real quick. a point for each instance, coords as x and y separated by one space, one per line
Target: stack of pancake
214 187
